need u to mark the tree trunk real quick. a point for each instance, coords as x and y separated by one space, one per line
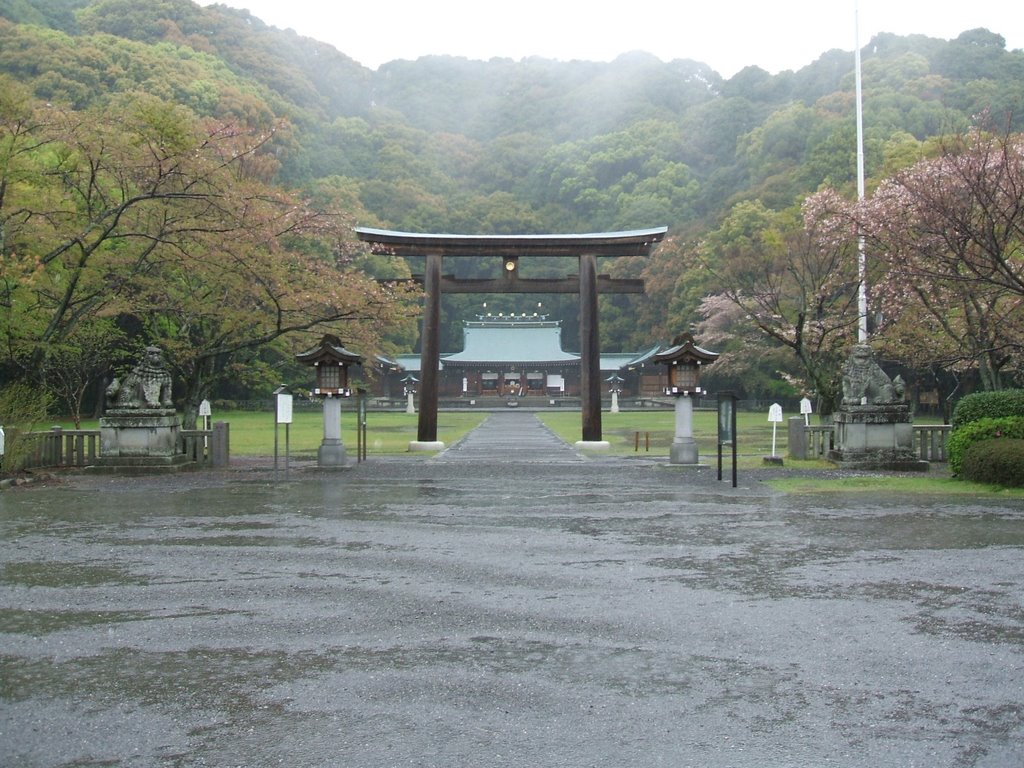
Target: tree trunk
197 389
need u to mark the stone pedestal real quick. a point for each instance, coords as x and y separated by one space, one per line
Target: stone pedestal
875 437
140 439
424 446
684 447
331 453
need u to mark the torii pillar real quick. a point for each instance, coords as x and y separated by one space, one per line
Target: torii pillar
590 356
430 358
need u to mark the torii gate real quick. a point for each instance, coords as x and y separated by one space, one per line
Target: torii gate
587 248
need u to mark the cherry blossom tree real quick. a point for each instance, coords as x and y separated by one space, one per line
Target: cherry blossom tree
795 278
948 237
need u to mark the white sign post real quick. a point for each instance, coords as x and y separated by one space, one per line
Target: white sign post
775 417
3 442
282 415
205 412
805 411
284 409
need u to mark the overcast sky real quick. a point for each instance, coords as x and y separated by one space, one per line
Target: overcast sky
726 34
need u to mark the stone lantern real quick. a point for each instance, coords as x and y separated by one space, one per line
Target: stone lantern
409 383
684 360
332 361
616 387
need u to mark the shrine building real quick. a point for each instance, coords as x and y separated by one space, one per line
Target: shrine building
521 356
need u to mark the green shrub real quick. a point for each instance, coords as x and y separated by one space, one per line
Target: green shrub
988 405
962 438
999 462
21 408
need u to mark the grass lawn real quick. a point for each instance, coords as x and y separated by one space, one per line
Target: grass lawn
754 442
928 483
657 429
252 433
389 432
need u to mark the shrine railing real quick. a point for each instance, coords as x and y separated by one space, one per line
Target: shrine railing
75 448
815 441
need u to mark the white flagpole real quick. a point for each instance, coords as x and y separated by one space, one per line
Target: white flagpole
862 297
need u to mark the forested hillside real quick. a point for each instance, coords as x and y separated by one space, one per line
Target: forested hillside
447 144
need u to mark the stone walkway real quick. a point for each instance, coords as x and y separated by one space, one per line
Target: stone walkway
511 436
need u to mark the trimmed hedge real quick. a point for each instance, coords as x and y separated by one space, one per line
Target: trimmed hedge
988 405
976 431
999 462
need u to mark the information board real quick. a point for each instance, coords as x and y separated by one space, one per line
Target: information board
727 430
284 409
726 421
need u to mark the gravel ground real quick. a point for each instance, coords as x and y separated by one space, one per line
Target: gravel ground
492 607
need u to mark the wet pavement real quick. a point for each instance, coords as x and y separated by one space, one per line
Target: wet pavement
508 602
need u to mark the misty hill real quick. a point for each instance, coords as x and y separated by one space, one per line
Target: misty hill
450 144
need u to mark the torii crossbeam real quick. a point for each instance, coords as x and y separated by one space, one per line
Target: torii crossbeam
510 248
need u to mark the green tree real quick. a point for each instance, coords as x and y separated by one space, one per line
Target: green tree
75 364
795 280
146 213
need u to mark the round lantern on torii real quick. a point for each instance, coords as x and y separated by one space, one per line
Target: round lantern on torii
332 361
684 360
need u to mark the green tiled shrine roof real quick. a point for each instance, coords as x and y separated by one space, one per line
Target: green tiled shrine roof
516 341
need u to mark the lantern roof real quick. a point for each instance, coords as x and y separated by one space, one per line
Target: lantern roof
330 349
684 350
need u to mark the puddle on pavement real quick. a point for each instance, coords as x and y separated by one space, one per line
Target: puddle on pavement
955 528
62 574
218 678
41 622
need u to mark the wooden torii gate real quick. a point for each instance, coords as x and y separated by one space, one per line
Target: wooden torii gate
509 248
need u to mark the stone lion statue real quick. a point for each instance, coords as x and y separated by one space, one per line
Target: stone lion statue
865 382
148 386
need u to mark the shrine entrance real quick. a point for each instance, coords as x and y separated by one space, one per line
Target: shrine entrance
509 248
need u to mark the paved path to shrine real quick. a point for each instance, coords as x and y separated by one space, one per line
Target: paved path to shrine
511 436
492 607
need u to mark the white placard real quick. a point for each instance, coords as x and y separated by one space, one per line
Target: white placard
284 409
204 408
805 410
775 417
